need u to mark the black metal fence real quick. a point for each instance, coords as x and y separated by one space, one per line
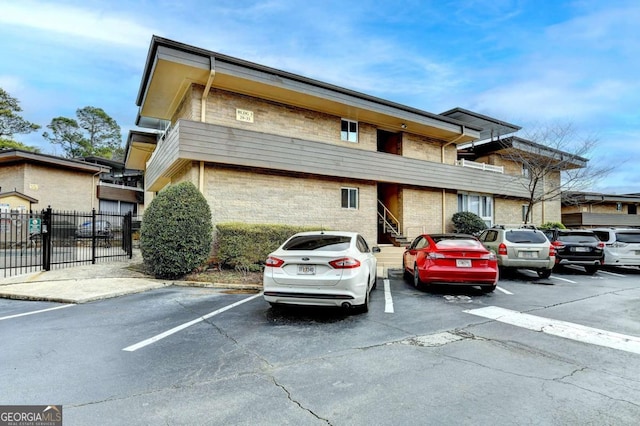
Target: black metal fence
30 242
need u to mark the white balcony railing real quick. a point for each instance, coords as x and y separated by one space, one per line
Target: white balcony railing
480 166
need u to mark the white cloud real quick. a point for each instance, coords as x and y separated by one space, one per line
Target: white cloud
67 20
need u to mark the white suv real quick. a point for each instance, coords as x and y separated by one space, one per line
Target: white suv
622 245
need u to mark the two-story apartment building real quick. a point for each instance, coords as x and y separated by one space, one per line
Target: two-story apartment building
267 146
593 210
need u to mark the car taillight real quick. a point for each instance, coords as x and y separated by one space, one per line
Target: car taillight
552 250
490 256
436 256
345 263
618 244
274 262
558 244
601 245
502 249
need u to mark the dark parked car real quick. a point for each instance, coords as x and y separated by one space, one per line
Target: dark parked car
102 229
577 247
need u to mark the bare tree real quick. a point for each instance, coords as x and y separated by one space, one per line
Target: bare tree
554 158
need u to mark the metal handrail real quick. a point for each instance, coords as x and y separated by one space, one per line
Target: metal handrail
389 226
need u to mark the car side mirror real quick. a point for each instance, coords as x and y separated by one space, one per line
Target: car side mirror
376 250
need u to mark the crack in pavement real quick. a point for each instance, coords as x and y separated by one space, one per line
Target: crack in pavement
275 382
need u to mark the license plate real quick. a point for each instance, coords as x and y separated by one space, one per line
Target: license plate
581 249
527 254
463 263
306 269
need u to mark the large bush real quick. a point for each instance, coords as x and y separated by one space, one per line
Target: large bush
468 223
552 225
245 246
176 231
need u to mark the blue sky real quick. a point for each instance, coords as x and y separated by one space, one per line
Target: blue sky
532 63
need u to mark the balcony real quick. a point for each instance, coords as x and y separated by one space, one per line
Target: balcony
480 166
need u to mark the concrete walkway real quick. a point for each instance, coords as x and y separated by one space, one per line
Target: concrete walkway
86 283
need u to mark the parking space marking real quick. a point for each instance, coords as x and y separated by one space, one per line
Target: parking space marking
187 324
388 300
36 312
562 329
554 277
503 290
600 271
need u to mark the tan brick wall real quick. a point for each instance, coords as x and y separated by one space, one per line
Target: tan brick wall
241 196
421 148
12 178
189 107
58 188
422 211
274 118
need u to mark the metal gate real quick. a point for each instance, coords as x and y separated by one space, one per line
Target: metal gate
30 242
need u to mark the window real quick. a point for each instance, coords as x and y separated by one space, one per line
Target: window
525 171
362 245
349 131
482 205
349 198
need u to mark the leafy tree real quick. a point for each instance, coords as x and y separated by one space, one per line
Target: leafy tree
550 151
10 120
176 231
93 133
10 144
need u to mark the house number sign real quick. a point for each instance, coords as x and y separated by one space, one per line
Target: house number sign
244 115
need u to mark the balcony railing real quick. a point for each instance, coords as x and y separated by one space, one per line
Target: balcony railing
480 166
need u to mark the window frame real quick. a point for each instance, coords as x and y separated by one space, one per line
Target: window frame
346 136
483 202
352 200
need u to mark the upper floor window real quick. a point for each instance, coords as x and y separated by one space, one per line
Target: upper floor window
349 131
349 198
525 171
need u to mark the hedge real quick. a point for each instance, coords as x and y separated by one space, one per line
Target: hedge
245 246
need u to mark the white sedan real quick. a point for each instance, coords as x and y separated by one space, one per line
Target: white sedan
321 268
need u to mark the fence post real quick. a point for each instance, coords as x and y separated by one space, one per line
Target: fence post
93 236
46 239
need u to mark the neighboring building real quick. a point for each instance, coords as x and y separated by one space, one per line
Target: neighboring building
46 180
268 146
593 210
120 190
15 201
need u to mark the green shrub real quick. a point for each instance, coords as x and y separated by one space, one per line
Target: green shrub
176 231
551 225
468 223
245 247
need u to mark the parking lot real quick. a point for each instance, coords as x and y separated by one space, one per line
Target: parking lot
562 350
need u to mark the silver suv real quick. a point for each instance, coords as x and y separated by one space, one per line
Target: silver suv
622 245
520 248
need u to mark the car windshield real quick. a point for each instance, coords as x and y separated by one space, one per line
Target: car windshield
318 243
458 242
523 236
628 237
578 237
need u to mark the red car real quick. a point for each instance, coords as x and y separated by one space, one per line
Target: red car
457 259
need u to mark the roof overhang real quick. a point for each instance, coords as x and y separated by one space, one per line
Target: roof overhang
15 156
573 197
172 67
491 127
140 146
526 147
19 195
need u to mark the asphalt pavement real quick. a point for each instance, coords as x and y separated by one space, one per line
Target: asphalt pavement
87 283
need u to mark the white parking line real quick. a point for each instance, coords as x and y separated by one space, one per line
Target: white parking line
36 312
563 329
388 300
186 325
600 271
563 279
503 290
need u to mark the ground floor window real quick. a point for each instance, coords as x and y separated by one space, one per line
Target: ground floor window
482 205
120 207
349 198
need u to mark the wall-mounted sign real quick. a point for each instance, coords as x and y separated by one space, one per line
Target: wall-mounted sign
244 115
